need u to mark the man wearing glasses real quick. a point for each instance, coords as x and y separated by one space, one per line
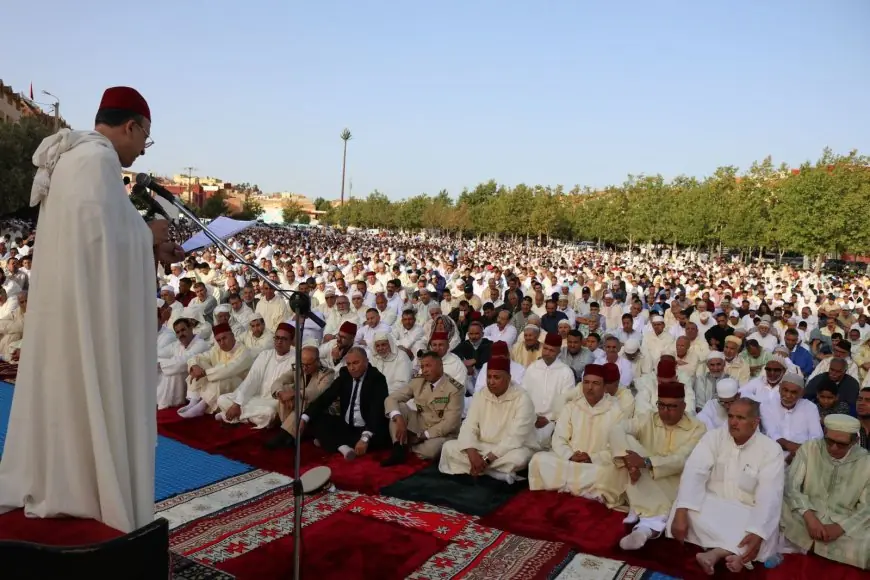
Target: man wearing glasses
93 243
766 387
252 401
827 487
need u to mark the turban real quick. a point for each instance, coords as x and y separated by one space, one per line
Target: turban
534 327
672 391
715 355
656 318
735 339
499 364
778 360
125 99
348 327
287 328
793 379
553 339
611 373
223 309
842 423
727 388
666 369
439 336
632 345
221 328
167 288
256 316
499 348
594 370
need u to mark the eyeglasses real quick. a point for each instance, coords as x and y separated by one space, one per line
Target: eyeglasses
838 444
148 140
667 406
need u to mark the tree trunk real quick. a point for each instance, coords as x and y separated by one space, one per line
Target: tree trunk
820 260
343 167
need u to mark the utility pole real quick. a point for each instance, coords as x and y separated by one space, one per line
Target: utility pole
56 107
350 189
190 171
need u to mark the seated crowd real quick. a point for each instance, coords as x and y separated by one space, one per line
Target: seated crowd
699 405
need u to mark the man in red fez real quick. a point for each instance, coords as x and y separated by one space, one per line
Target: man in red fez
339 346
497 437
453 365
216 372
252 401
94 245
548 382
580 454
649 454
666 371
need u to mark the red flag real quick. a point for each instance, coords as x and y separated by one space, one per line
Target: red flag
31 91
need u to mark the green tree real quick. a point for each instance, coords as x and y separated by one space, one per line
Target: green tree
18 141
215 206
304 219
291 211
321 204
251 210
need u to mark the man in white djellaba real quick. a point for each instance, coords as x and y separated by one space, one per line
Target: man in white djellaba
95 457
730 495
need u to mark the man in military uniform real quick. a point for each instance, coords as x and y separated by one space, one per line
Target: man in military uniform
435 417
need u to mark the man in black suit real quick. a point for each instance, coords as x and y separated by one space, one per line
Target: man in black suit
361 424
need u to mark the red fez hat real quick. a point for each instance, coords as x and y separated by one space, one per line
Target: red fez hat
126 99
611 372
553 339
348 327
667 368
672 390
499 364
499 348
220 329
287 328
595 370
439 336
475 315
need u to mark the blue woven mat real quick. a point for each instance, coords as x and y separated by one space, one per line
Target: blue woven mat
180 468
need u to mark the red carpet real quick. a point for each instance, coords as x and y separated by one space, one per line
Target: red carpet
344 546
54 532
593 529
245 444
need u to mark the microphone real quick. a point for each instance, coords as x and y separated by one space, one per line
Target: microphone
145 180
141 195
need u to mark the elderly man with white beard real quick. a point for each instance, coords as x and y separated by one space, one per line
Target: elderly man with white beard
656 343
252 401
730 494
715 411
239 314
393 363
215 372
453 365
167 293
735 367
257 339
766 387
548 382
498 436
336 317
707 377
172 387
791 420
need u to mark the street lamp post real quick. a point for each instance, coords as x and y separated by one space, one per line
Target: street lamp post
56 110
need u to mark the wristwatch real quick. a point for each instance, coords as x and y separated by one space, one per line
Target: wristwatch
487 460
647 463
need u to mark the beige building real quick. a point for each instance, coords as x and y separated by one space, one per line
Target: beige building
14 106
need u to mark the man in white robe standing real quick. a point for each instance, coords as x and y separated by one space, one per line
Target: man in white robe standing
252 401
94 458
730 495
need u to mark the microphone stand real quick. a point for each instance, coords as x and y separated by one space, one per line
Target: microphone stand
301 306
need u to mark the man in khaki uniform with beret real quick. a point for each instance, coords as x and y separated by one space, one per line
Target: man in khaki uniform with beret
438 401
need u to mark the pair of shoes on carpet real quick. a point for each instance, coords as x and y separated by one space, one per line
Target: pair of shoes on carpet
282 440
397 457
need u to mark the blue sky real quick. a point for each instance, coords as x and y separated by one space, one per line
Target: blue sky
448 94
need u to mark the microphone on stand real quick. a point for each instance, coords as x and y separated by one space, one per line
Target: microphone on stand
140 194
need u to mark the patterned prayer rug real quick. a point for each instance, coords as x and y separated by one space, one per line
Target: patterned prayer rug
257 529
187 569
586 567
